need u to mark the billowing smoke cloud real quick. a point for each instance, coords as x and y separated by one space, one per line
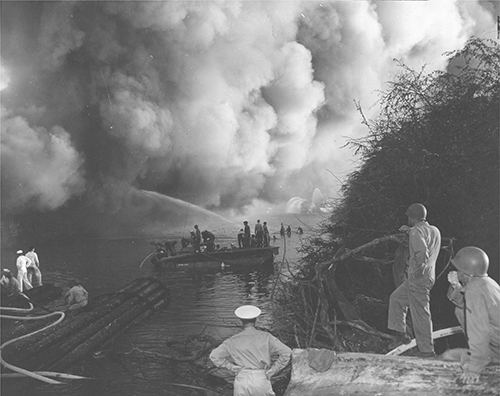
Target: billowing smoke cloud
39 167
222 104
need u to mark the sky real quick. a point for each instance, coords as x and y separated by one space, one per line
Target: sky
121 110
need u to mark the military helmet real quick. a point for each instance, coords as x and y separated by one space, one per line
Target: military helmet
472 261
417 211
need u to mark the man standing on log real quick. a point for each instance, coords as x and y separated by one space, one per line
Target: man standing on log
424 245
248 355
22 264
34 274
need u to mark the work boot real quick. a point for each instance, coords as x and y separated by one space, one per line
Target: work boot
399 339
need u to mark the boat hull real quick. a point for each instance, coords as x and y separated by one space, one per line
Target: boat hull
220 259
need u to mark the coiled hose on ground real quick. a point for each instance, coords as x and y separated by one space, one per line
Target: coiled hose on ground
19 371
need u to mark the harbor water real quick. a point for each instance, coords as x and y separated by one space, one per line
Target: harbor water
201 303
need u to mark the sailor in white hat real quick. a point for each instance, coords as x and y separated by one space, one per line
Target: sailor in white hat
248 355
22 263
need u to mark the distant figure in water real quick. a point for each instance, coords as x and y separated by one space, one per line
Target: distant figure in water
300 231
274 238
76 297
34 274
9 283
289 231
241 237
267 238
282 230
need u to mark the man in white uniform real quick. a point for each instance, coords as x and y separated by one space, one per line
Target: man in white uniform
34 274
248 354
22 264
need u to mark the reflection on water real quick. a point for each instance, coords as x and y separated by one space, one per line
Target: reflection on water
201 302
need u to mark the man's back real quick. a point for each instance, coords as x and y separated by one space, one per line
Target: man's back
424 246
252 349
33 257
22 263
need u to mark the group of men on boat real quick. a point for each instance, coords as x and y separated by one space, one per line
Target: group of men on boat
260 238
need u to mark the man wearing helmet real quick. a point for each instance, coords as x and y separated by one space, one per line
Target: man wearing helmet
248 355
482 313
414 293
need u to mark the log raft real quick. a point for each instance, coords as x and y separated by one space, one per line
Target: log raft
372 374
84 331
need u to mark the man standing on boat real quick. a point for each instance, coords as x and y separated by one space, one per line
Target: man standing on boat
248 355
259 234
267 237
197 239
246 238
424 245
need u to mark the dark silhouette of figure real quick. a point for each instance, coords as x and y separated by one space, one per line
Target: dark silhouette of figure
253 241
282 230
241 237
300 231
197 239
246 237
267 237
259 234
208 240
289 231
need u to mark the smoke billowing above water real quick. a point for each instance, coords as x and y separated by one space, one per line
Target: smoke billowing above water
220 104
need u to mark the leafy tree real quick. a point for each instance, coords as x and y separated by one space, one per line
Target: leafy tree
436 141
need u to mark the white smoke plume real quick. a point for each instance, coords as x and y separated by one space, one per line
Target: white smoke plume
40 167
221 103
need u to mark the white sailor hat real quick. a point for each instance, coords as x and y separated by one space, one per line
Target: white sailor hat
247 312
19 252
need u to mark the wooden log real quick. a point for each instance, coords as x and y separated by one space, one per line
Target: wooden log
48 353
157 299
24 350
371 374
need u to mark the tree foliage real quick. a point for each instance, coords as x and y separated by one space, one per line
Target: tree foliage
436 141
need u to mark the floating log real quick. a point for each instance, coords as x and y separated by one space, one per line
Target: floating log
87 329
371 374
98 307
118 324
68 344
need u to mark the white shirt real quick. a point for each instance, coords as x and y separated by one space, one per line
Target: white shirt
34 258
251 349
424 245
22 263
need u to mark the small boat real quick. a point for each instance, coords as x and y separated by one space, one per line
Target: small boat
221 258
